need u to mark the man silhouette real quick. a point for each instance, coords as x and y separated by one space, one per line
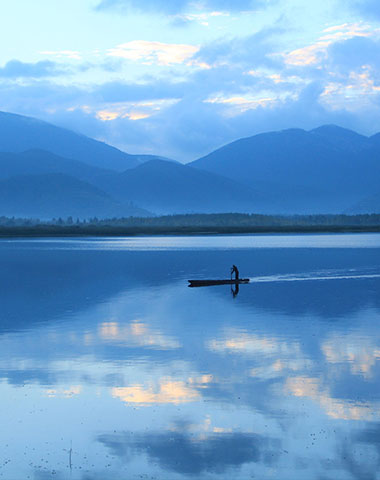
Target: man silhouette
235 270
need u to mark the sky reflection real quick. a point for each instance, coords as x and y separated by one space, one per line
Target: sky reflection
143 375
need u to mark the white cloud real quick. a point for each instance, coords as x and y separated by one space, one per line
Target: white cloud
154 52
139 110
238 104
317 51
357 91
201 18
68 54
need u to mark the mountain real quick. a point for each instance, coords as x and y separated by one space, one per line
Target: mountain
167 187
19 133
324 170
162 186
370 204
38 162
341 139
58 195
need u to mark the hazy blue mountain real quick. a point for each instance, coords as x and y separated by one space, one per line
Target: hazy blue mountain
164 186
326 170
333 166
167 187
370 204
37 162
58 195
342 139
19 133
375 140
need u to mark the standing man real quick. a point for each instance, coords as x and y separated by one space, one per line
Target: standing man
235 270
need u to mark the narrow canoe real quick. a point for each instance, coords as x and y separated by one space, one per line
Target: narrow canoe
208 283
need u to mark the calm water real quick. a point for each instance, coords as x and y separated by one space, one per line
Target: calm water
112 368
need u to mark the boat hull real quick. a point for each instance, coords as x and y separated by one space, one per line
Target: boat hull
209 283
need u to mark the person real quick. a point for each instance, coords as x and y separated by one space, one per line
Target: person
235 270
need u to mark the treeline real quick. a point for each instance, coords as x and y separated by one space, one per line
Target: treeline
244 220
203 220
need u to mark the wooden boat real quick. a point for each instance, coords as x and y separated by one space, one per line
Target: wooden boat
209 283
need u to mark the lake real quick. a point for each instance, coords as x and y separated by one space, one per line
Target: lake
112 368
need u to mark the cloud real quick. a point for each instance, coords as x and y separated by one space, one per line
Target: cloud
184 127
137 110
203 18
318 51
354 53
17 69
185 111
154 52
248 52
354 81
177 6
69 54
113 92
367 8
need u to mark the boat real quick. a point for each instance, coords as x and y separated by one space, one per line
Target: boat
209 283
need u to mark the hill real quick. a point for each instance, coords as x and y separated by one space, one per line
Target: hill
370 204
38 162
58 195
324 170
168 187
19 133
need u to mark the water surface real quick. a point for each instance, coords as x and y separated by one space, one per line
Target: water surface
111 367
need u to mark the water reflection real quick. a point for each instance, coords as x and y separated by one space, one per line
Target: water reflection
183 452
145 376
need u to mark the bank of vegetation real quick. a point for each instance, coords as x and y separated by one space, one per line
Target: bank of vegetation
228 223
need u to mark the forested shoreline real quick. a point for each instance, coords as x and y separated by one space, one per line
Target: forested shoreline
228 223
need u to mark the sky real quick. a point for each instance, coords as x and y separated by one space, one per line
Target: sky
180 78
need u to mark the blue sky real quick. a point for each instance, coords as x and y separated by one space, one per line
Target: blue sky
180 78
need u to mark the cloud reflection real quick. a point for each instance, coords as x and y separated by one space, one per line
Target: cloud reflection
166 391
183 453
361 354
137 333
335 408
252 344
64 392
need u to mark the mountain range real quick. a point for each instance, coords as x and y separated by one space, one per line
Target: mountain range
48 171
325 170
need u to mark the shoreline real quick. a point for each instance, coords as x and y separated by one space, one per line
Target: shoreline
113 231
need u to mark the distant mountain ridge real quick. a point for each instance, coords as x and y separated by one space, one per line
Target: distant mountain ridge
337 166
157 185
19 133
38 162
167 187
58 195
370 204
325 170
